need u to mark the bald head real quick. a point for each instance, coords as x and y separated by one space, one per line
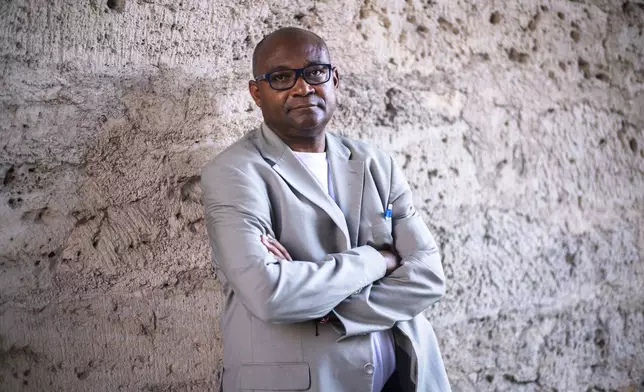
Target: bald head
288 36
297 114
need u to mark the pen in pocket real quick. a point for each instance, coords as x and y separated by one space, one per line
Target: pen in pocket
389 211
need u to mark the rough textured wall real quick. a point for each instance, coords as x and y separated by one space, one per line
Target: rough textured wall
518 123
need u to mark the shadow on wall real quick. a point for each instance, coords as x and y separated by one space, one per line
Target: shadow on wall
107 243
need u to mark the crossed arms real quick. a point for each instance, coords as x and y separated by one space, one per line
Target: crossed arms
354 284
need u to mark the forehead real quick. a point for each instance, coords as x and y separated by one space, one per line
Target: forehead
291 52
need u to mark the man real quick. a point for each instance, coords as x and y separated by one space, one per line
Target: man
326 265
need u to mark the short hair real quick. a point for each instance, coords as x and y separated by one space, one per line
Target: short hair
285 31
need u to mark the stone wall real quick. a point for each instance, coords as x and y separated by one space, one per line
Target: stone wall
518 123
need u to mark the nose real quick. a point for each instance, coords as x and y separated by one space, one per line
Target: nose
301 88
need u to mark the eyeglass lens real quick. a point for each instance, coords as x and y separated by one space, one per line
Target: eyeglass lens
285 79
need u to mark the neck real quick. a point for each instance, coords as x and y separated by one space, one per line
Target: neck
303 141
317 144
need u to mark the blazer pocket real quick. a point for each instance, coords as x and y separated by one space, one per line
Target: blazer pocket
381 235
275 376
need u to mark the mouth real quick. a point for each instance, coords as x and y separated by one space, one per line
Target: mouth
303 107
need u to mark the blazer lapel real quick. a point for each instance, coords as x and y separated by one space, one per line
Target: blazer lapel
286 164
347 177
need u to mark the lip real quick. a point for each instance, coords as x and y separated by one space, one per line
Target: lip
308 106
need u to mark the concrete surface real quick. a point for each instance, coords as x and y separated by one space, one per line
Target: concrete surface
518 123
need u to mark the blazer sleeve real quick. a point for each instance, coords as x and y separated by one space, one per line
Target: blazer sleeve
237 213
418 283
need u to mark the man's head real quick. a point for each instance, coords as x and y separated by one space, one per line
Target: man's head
303 110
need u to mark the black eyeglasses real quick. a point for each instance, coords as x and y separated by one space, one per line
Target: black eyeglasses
284 79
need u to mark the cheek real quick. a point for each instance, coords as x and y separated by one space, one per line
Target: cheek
327 92
271 98
275 100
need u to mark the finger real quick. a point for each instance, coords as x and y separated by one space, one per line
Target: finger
275 252
273 249
272 245
280 247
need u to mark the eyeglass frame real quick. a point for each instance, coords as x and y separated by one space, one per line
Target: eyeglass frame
298 72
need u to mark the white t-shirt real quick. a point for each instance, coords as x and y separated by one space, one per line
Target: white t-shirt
382 343
318 165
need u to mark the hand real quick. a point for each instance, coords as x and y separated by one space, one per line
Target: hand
392 260
275 248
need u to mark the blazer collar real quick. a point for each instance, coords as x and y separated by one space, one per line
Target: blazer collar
346 177
270 145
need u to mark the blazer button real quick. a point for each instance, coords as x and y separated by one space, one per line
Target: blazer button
368 368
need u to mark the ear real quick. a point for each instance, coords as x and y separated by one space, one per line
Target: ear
336 78
253 88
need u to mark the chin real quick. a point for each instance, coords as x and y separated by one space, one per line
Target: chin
309 124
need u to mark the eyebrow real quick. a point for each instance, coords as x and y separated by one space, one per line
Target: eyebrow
282 67
278 68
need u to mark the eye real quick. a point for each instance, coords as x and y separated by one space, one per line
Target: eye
281 76
316 73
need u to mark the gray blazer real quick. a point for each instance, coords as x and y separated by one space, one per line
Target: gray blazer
272 341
